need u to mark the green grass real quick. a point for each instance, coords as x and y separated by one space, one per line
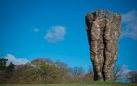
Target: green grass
93 83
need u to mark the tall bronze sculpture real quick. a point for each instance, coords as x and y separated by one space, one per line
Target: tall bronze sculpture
103 30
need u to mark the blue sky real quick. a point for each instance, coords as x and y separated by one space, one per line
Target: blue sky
55 29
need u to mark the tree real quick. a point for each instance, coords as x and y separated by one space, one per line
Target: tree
10 72
51 73
48 61
117 72
30 74
18 74
11 67
38 61
35 64
3 62
89 75
78 73
44 71
61 64
90 70
3 74
132 76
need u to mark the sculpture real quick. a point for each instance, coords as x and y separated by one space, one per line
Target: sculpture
103 30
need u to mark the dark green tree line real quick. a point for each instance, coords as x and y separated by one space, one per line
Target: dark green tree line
6 72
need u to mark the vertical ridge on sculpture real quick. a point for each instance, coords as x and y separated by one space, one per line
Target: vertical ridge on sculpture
103 30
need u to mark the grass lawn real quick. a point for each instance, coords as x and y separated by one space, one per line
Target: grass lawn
93 83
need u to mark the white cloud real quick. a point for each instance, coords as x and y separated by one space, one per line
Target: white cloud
125 69
55 33
129 21
14 60
36 29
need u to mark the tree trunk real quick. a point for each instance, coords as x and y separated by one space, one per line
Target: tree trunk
103 30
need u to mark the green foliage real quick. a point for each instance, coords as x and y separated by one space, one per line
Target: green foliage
62 65
38 61
42 70
6 72
10 68
45 71
3 62
3 74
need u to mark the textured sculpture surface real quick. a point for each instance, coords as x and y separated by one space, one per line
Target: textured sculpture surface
103 30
